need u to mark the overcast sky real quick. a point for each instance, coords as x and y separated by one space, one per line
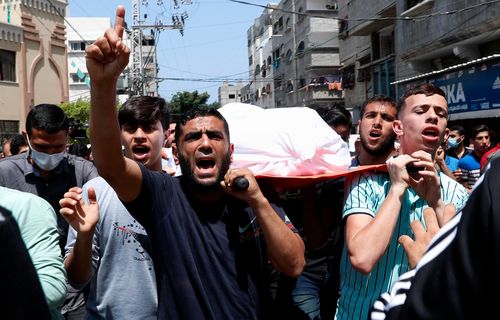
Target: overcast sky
214 44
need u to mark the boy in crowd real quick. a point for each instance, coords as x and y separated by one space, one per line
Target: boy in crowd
106 242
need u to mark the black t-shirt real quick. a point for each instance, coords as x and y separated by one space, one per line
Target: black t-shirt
210 261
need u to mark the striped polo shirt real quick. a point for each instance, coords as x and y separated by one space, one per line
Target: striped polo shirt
365 194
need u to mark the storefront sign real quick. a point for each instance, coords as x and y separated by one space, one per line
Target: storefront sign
474 88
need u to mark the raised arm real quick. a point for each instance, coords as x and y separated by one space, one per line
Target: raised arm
284 247
106 58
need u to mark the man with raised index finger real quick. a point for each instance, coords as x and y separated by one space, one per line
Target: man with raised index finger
206 266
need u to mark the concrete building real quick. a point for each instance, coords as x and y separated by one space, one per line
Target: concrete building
33 59
367 50
294 56
229 92
457 47
391 45
150 65
260 47
83 31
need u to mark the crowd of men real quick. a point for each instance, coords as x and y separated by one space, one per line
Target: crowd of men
156 225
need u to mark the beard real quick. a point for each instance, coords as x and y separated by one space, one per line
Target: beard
193 182
383 148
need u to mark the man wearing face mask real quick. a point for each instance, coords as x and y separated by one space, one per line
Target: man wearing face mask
46 170
456 147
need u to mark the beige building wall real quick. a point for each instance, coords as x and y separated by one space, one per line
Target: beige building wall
41 57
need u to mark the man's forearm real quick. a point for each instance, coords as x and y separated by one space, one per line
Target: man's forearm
78 263
377 232
105 130
284 247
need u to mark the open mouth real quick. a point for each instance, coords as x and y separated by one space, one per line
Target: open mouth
205 164
431 133
375 134
140 151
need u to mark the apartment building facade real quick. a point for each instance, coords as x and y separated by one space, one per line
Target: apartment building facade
391 45
294 56
229 92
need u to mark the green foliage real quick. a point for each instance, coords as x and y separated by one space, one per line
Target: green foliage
78 110
215 105
183 101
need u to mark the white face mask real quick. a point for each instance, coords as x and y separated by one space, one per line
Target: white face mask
44 160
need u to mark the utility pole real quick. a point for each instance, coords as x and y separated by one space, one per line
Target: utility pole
137 75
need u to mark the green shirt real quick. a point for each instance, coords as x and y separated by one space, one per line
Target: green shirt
365 194
38 225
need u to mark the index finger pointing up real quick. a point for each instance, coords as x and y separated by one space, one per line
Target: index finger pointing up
120 21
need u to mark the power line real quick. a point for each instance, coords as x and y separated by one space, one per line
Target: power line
416 18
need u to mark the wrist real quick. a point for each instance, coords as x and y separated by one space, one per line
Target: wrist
86 234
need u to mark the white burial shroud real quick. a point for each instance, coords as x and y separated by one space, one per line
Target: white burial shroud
284 141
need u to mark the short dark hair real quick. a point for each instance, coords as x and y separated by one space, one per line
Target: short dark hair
16 142
47 117
338 115
382 99
143 110
196 112
78 149
424 88
458 128
477 129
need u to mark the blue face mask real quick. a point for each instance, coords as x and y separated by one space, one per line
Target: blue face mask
45 161
453 142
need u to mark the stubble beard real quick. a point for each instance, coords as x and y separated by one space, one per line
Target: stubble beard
379 150
192 181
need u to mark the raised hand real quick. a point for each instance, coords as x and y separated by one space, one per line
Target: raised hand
426 184
415 248
83 217
108 56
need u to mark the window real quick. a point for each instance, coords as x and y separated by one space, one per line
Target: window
383 75
288 56
77 46
300 48
9 127
412 3
7 65
78 77
232 96
301 14
257 69
348 77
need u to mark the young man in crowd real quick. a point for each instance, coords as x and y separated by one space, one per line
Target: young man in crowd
322 226
456 276
211 241
169 164
456 142
469 166
375 131
380 206
48 171
106 242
